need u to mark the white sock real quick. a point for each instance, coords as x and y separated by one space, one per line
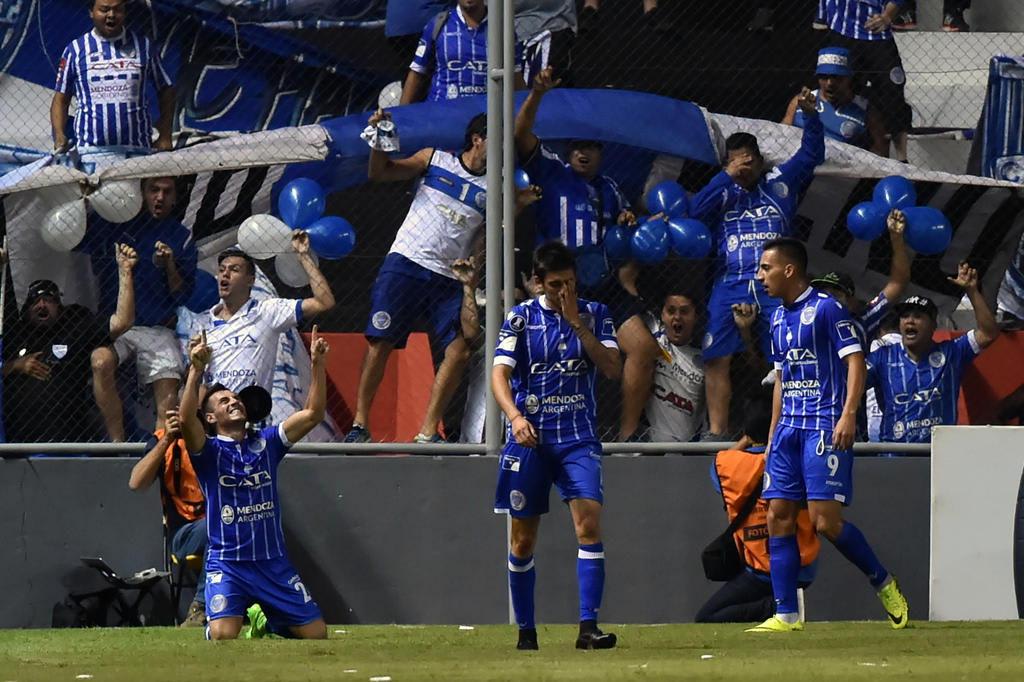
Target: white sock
788 618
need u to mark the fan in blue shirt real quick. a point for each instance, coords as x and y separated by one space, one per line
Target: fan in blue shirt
918 381
820 371
577 205
549 352
745 207
246 561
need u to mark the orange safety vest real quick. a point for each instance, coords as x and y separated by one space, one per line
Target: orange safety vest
739 473
179 485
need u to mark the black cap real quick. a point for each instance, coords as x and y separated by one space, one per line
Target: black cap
40 288
583 143
835 280
918 303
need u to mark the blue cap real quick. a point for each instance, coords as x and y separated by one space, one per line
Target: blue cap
834 61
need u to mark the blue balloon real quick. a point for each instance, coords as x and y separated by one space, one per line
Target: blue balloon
204 292
894 191
522 180
928 230
866 220
616 242
331 237
690 238
591 266
650 242
301 203
668 197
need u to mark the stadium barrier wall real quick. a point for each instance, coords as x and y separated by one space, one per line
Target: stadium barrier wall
976 473
414 540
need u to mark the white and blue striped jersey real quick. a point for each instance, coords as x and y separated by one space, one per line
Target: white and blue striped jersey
869 321
456 60
109 79
810 338
742 222
847 17
915 396
1003 131
572 210
552 376
847 123
239 481
446 212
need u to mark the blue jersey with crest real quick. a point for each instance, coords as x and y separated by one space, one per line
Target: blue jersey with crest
742 222
847 17
572 210
810 338
915 396
846 123
552 376
239 481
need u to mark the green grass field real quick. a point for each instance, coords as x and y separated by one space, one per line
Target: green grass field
826 651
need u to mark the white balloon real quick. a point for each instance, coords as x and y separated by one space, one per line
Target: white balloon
290 270
390 95
64 226
59 194
117 201
264 236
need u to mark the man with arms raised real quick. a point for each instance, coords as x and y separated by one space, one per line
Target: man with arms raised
246 561
819 363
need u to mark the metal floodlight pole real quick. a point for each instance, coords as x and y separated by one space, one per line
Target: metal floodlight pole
508 186
496 81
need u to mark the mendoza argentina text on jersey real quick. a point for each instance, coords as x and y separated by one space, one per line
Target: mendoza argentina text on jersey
239 481
552 376
743 222
810 338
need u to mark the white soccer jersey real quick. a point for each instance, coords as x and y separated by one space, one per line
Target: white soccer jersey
445 215
245 347
675 409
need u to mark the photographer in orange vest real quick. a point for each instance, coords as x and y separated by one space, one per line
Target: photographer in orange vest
737 474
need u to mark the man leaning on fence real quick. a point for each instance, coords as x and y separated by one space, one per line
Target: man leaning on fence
50 354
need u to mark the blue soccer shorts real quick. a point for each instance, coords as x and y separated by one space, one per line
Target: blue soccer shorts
525 476
803 466
234 586
721 337
405 293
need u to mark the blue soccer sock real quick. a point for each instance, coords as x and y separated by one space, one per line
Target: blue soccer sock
590 575
854 546
522 577
784 564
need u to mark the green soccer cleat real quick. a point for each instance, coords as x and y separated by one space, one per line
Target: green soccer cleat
257 622
895 605
776 624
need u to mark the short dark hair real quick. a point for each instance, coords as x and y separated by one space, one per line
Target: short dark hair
677 290
237 253
210 391
757 417
552 257
476 126
738 141
793 250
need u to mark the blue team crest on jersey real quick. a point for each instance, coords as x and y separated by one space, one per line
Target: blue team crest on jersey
732 243
807 315
937 359
849 129
257 445
780 189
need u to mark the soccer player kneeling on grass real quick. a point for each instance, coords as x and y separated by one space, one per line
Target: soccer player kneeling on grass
820 366
246 560
549 349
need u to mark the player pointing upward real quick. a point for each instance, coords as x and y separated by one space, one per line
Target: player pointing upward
820 370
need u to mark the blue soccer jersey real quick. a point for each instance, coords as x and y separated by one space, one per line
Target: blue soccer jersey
915 396
109 79
846 123
571 209
239 482
552 376
847 17
743 222
810 338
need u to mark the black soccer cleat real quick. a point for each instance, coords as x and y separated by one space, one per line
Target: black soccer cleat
527 640
595 639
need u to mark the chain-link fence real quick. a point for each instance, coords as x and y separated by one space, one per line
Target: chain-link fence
83 362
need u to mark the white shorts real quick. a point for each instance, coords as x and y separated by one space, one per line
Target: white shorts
156 352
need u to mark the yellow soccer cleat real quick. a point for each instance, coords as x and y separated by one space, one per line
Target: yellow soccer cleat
776 624
895 605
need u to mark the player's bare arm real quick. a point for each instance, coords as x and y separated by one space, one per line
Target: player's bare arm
305 420
899 273
987 329
148 468
323 298
526 140
846 428
382 168
199 354
522 430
